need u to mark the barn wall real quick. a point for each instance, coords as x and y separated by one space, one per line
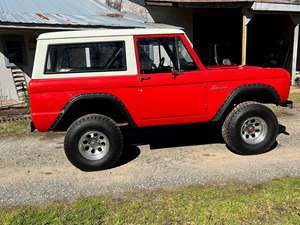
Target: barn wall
182 17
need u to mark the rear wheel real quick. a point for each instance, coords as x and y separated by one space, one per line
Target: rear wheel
251 128
93 142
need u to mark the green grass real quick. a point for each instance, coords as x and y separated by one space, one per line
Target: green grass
295 97
14 128
277 202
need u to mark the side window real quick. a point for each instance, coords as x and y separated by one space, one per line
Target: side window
86 57
157 55
162 55
185 59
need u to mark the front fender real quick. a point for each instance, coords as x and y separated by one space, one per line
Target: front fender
246 89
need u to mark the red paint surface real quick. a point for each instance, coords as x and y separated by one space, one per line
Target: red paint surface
162 100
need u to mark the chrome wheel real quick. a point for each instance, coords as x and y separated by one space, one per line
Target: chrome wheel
254 130
93 145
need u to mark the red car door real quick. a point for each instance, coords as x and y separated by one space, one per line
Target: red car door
172 80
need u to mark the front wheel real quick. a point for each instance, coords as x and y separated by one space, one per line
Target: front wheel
93 142
251 128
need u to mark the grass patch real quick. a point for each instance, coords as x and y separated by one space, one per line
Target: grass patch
277 202
14 128
295 97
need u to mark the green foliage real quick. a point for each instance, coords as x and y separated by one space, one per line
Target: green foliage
25 97
14 128
277 202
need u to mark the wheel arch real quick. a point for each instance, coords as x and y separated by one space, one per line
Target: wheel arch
255 92
83 104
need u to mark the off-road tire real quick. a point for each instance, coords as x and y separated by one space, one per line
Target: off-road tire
93 122
232 127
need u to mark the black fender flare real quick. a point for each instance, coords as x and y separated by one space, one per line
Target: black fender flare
243 89
93 96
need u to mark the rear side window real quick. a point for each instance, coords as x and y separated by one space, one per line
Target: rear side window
86 57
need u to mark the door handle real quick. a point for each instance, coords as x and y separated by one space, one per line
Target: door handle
145 77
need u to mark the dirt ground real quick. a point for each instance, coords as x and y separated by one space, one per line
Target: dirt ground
34 169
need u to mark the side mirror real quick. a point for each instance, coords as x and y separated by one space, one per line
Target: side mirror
175 73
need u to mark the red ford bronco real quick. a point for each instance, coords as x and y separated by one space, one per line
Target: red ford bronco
91 83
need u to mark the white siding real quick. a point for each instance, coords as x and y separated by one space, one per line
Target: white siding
7 87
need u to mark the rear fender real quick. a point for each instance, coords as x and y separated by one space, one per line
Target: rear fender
99 97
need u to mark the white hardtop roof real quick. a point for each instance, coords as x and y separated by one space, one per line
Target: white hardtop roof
107 32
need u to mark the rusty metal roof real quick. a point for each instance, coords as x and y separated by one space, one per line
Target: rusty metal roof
85 13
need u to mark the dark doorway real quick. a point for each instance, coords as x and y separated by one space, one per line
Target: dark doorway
221 30
270 41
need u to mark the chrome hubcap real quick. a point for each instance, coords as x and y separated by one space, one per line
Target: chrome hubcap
93 145
254 130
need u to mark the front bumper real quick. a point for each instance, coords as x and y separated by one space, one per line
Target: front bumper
287 103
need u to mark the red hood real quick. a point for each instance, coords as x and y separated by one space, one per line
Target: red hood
217 73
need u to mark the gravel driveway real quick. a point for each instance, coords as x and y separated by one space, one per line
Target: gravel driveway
34 169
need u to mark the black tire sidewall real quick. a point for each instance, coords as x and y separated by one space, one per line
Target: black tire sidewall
93 123
254 110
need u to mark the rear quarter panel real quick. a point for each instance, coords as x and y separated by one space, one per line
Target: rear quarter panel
49 97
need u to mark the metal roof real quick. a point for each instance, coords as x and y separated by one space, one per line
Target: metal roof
66 13
228 1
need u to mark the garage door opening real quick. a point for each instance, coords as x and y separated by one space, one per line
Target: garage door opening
217 35
270 41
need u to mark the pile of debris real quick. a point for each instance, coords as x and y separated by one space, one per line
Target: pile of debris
14 114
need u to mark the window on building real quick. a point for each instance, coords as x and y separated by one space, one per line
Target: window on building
14 50
86 57
162 55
